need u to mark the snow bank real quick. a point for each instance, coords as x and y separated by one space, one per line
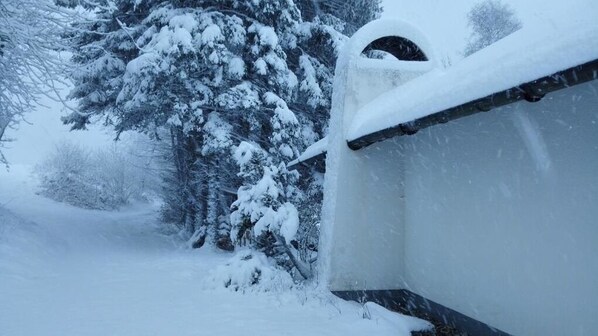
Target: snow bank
249 271
403 323
528 54
23 245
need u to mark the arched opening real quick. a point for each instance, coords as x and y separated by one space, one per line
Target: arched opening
401 48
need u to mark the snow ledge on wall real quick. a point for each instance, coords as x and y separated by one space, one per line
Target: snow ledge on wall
317 148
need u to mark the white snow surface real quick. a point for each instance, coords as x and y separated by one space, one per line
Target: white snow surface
528 54
69 271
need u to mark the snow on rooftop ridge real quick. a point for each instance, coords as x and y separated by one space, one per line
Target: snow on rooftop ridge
524 56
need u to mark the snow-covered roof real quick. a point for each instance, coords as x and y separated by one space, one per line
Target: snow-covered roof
316 149
527 55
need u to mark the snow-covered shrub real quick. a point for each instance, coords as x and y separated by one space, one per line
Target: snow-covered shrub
263 216
310 206
65 177
104 179
249 270
261 208
118 175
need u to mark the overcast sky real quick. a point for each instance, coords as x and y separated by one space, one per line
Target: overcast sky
36 137
442 21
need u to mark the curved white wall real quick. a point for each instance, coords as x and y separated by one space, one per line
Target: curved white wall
360 243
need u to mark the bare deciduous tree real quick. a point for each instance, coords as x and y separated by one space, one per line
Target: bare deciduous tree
30 66
490 21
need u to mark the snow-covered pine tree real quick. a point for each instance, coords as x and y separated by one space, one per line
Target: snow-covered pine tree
314 101
263 218
350 15
206 76
102 45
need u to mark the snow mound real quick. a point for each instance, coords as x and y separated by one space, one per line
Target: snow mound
249 271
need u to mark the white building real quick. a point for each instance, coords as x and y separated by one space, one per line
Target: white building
471 192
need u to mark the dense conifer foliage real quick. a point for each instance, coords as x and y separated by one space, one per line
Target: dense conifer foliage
234 90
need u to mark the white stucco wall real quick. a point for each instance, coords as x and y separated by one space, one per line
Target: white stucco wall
502 215
367 245
494 215
359 234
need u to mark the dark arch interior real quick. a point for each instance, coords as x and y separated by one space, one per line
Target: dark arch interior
400 47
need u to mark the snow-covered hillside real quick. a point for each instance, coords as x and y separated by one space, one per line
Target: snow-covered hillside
68 271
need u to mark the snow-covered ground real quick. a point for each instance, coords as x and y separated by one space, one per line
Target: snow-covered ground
69 271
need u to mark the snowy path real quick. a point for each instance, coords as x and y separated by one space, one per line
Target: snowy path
68 271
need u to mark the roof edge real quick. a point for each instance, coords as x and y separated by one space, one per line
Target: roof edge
532 91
